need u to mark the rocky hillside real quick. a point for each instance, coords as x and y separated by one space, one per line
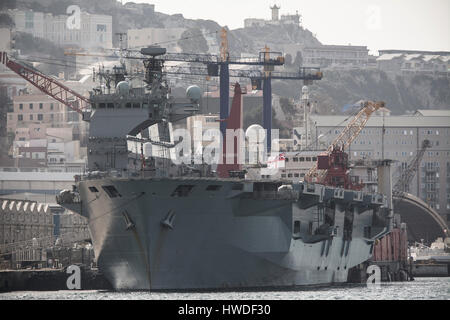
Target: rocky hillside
132 15
274 36
401 93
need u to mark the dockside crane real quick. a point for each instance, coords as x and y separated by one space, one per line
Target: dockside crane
332 166
216 66
49 85
219 66
407 175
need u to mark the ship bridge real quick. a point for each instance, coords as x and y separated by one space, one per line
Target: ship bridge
423 222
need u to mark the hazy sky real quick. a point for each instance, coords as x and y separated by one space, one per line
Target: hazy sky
379 24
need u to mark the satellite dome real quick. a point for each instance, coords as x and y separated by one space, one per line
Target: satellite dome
305 89
123 88
254 129
194 93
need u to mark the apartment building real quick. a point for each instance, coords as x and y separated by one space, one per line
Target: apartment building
332 55
92 31
402 138
33 113
412 62
297 164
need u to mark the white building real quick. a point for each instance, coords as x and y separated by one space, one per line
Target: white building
251 22
294 167
94 30
411 62
291 18
5 39
30 22
329 55
275 14
61 152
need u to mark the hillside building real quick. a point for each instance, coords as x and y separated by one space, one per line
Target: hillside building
93 30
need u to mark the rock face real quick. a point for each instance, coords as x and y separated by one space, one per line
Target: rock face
286 38
401 93
135 16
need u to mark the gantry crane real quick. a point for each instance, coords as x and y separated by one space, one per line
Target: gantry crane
407 176
332 166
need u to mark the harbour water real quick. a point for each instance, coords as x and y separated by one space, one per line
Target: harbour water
420 289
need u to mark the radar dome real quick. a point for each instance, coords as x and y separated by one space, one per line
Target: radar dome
305 89
123 88
194 93
253 129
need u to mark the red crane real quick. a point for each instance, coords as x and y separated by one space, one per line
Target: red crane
332 167
48 85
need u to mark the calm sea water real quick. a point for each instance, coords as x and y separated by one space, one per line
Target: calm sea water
420 289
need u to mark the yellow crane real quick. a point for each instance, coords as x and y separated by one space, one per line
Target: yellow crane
224 53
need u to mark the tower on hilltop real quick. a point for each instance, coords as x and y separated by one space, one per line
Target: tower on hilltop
275 12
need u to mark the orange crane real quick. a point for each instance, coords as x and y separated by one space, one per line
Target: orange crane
332 166
48 85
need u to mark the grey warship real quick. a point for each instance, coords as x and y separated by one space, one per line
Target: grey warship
163 228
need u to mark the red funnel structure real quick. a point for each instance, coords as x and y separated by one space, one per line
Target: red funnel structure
234 122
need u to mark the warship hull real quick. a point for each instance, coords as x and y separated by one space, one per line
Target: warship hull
205 233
